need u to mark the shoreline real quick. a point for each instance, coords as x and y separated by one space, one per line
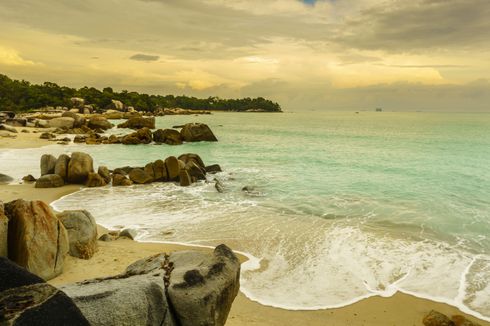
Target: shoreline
113 257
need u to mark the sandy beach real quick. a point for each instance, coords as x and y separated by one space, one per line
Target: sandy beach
23 139
113 257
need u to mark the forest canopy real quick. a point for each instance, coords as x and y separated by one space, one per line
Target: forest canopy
21 95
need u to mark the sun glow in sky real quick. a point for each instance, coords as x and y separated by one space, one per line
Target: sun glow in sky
337 54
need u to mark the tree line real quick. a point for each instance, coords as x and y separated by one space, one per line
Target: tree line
21 95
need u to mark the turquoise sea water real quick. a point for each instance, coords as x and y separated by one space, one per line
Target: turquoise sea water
342 205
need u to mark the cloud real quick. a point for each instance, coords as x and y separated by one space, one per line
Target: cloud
144 57
11 57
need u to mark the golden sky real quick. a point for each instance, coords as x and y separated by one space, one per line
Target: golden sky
335 54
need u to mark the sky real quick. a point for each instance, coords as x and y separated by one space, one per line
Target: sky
429 55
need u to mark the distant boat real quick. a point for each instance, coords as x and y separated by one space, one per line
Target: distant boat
379 110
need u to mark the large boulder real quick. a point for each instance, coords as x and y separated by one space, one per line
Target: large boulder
4 224
184 288
168 136
78 120
61 166
103 171
95 180
8 128
37 240
195 170
173 168
193 132
49 181
120 180
142 136
80 165
99 122
138 123
159 171
62 122
184 178
27 300
77 102
150 171
186 158
48 164
82 232
139 176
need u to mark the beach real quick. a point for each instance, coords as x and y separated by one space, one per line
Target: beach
113 257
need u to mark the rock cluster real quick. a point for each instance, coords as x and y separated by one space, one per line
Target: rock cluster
79 169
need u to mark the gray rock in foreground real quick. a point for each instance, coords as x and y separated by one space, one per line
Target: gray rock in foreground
201 288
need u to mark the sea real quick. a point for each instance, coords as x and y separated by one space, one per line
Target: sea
330 207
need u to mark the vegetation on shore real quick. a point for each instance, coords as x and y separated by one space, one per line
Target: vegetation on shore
21 95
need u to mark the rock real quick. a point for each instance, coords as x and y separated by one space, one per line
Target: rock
142 136
61 166
124 170
219 186
122 300
106 237
37 239
16 122
80 165
128 233
80 139
103 171
186 158
184 178
47 135
116 105
26 300
195 170
138 123
159 171
8 128
82 232
78 120
193 132
49 181
95 180
41 123
203 287
63 122
168 136
4 223
214 168
77 102
173 168
149 170
435 318
120 180
48 164
99 122
4 179
29 178
139 176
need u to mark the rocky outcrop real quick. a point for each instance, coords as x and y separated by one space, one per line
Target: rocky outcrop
138 123
37 240
63 122
4 224
48 164
79 167
183 288
99 122
193 132
168 136
95 180
49 181
142 136
82 232
103 171
26 300
173 168
159 171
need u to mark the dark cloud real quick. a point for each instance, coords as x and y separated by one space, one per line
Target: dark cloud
144 57
402 25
